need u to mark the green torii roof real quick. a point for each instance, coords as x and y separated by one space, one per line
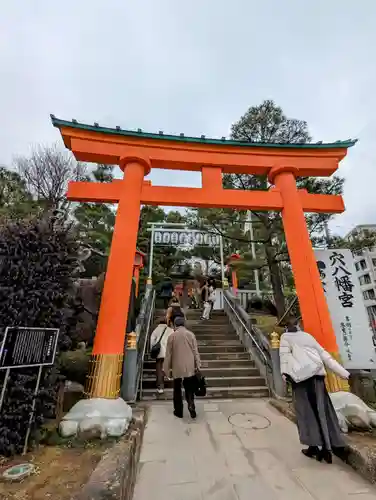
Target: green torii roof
201 140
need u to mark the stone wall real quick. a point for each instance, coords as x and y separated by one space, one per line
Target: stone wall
363 385
115 476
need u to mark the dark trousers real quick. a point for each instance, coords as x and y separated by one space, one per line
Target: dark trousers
159 372
166 301
189 387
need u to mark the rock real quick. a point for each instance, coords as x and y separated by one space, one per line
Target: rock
357 417
97 418
353 411
105 408
68 428
91 428
342 423
116 427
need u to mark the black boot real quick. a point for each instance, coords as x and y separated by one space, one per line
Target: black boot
311 451
192 412
325 455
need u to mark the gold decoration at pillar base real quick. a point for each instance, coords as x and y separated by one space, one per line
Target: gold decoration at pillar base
149 281
274 340
103 380
131 340
225 284
333 382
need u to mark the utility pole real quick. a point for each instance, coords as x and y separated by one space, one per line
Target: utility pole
328 236
253 251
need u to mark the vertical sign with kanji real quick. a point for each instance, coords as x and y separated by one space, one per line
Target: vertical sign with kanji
346 307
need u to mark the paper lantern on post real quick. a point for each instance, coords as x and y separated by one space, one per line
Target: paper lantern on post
234 277
137 265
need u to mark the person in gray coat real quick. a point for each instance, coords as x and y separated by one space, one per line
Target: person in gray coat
183 360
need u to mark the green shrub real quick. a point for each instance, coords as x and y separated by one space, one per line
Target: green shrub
38 263
74 365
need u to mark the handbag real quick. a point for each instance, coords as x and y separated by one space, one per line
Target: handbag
200 385
156 349
304 363
212 296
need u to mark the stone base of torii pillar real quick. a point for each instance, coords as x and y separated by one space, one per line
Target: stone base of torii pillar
97 418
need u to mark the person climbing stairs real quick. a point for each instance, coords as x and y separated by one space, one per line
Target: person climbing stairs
228 368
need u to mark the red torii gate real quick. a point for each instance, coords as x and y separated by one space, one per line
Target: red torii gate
137 152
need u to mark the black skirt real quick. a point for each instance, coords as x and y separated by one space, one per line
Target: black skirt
316 417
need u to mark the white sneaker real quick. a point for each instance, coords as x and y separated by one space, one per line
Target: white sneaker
160 391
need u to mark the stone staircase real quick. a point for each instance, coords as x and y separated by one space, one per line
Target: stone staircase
227 367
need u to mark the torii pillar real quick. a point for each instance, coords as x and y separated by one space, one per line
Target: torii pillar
107 355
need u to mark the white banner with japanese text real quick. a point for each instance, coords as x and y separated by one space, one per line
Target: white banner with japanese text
346 307
181 237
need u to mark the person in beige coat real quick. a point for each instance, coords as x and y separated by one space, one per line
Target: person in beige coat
183 359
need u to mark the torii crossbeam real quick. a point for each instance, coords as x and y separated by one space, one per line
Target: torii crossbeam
137 152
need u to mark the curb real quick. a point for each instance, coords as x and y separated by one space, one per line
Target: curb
361 460
115 476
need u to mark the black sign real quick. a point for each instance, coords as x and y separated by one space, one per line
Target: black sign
342 279
23 347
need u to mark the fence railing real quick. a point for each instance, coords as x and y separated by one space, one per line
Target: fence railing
245 296
135 351
265 353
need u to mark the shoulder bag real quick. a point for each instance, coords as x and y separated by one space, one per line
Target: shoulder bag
156 349
304 363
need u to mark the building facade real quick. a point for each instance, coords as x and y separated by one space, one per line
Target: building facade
365 265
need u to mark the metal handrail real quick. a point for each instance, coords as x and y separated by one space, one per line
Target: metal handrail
259 348
140 367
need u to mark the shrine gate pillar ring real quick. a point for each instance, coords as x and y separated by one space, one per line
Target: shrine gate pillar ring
107 358
312 301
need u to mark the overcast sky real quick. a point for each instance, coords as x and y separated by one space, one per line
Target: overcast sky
193 67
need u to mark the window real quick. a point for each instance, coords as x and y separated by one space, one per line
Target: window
372 317
357 266
369 294
363 264
365 280
374 262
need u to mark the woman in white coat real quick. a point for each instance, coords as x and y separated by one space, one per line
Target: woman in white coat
303 363
160 334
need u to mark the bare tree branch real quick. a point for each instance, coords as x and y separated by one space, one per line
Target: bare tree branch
46 173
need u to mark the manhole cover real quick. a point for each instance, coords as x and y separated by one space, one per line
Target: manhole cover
249 421
18 472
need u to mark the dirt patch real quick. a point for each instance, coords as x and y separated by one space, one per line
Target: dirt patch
61 472
363 439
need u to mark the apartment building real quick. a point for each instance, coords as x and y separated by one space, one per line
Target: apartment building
365 265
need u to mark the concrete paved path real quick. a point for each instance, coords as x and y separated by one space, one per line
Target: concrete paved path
236 450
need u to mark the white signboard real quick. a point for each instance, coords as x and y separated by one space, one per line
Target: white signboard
346 307
179 237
